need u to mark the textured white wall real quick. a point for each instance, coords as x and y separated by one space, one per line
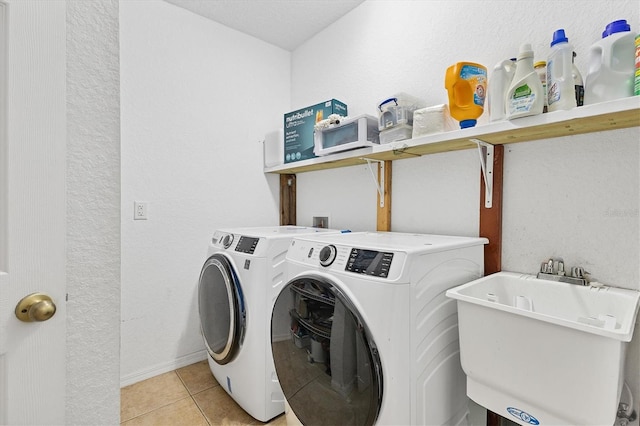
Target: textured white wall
197 98
93 213
576 197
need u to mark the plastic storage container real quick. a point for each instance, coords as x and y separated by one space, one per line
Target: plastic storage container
300 340
398 110
560 88
525 95
396 133
611 65
499 83
350 133
466 84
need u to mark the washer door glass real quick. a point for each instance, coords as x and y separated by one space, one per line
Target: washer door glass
326 361
221 306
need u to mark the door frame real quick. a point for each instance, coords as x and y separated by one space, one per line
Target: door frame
4 282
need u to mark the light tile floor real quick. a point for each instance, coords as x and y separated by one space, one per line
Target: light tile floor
187 396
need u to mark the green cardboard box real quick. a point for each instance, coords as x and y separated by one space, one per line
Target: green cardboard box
298 128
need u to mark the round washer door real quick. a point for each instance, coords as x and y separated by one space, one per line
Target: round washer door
221 307
326 360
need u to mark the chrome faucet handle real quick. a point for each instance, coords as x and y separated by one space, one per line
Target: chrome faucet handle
554 270
577 272
546 267
624 415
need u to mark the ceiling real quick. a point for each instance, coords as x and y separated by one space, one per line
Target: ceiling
284 23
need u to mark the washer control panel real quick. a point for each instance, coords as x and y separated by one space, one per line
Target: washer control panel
369 262
331 257
247 244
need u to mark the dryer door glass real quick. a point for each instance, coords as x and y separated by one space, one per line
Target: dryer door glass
221 306
326 361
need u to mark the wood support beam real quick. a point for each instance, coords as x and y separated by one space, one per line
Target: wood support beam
288 200
491 218
493 419
384 213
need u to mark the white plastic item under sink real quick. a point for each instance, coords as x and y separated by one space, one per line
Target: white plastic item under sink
544 352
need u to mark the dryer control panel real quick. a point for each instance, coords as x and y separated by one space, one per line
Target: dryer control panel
235 242
369 262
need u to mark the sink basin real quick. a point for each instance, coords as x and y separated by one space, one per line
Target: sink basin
544 352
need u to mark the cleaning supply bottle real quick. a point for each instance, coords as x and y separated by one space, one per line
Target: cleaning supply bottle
560 87
541 69
611 65
578 83
466 84
525 95
499 83
636 90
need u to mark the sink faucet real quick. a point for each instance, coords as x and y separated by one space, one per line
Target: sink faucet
554 270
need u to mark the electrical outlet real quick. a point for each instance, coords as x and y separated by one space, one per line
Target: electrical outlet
139 210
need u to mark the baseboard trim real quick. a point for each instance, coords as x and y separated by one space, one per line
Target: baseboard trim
158 369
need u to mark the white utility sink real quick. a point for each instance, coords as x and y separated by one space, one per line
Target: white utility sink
545 352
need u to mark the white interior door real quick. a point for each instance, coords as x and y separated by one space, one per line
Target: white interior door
32 209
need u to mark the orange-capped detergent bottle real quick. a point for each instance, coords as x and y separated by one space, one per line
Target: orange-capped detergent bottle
466 84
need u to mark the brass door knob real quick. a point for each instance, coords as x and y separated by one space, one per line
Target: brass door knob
35 307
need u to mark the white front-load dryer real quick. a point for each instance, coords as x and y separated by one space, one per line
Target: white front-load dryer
235 294
362 333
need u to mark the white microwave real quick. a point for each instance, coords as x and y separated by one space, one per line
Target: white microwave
350 133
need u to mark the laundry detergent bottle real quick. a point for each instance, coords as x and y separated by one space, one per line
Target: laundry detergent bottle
525 95
499 83
561 92
466 84
611 65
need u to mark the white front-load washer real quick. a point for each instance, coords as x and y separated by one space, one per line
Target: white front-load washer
362 333
235 295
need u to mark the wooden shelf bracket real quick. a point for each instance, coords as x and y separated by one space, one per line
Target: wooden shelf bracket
486 152
379 180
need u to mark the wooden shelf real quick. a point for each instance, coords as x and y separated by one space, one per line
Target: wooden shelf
618 114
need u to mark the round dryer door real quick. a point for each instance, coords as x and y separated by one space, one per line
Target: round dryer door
326 361
222 310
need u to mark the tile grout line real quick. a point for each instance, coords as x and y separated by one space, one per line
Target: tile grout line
165 405
201 412
156 409
192 398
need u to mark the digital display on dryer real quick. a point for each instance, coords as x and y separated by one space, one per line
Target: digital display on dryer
369 262
247 244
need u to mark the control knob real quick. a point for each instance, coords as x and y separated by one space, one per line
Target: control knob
227 240
327 255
